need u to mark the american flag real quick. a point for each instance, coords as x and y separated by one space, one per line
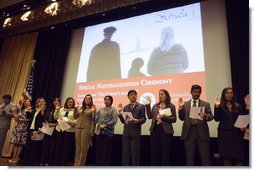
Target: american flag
27 93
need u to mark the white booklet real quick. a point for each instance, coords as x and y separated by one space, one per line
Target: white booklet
194 112
63 124
246 134
125 114
242 121
165 112
47 130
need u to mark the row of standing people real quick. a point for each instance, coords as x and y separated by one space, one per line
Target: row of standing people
195 132
63 146
59 148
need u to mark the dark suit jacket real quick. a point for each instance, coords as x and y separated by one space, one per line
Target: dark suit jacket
184 115
133 129
38 120
226 118
166 120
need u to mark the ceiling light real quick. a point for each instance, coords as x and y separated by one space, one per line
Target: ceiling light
52 9
25 16
81 3
7 22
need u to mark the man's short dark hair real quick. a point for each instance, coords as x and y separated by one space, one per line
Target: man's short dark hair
196 86
109 30
7 96
132 91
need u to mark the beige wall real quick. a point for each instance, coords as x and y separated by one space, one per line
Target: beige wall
72 65
217 60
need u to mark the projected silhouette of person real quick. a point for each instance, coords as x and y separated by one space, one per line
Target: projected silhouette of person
169 57
104 62
134 71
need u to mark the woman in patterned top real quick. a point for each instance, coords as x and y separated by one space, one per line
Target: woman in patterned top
19 136
105 119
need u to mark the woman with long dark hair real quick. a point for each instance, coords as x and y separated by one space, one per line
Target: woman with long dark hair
163 114
230 138
48 154
84 129
65 150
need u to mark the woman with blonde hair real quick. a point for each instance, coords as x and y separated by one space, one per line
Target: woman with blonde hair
32 147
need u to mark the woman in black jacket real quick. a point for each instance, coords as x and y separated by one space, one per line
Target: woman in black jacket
48 154
230 138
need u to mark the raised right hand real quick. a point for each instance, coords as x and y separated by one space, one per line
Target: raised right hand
180 102
148 100
217 102
246 101
93 108
76 109
120 107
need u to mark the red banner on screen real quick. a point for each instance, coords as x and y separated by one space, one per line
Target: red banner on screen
178 85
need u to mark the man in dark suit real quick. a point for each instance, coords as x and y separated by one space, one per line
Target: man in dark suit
132 130
195 132
105 55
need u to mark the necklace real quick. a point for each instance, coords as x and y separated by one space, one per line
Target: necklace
229 106
162 105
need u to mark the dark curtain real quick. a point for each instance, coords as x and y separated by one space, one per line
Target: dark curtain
238 35
1 43
50 54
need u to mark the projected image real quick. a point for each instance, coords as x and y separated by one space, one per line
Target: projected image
104 56
160 50
136 65
168 42
168 57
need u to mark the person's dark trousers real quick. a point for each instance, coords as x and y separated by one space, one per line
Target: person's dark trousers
46 149
246 153
53 146
160 147
35 153
131 151
68 150
103 150
191 143
27 149
59 148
